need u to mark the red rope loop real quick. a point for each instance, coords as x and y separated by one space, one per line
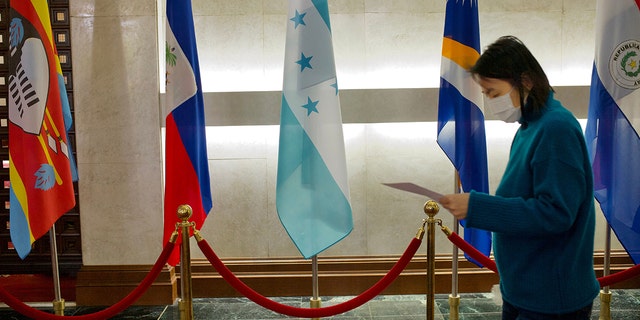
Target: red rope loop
310 312
491 265
619 276
472 252
107 313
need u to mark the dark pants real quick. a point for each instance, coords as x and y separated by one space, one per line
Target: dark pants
511 312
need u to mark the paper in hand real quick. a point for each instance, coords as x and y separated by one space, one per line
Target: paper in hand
413 188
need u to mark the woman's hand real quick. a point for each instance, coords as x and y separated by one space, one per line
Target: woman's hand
457 204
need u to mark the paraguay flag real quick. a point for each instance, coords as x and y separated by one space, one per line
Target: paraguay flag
41 166
186 165
461 132
312 192
614 119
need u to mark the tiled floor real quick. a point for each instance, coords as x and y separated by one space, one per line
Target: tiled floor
625 305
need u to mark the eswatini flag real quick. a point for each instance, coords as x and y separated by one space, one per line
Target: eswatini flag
186 165
41 166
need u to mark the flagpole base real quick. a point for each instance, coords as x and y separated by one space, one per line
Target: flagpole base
58 307
454 304
315 303
605 305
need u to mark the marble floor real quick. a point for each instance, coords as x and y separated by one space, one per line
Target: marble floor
625 305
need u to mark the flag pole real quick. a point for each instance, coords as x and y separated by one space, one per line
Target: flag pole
58 303
605 294
315 300
454 298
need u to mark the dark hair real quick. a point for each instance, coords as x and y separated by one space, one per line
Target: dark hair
509 59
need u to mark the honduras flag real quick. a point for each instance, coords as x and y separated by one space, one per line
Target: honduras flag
312 192
461 132
614 119
186 165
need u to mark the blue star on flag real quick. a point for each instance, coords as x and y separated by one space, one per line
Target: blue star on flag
335 85
298 19
311 106
304 62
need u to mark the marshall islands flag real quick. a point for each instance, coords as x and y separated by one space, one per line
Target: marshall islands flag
186 164
461 132
614 119
41 166
312 192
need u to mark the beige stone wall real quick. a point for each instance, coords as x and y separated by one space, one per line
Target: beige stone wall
388 60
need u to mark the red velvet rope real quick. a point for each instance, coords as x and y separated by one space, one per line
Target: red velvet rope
473 252
310 312
491 265
107 313
619 276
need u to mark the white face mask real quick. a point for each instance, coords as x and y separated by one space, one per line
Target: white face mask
503 108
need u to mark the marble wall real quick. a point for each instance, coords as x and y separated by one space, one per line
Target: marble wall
117 120
379 45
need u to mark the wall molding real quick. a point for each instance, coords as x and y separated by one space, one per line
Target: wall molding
105 285
357 105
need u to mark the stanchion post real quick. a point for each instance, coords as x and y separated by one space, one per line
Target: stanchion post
185 304
431 208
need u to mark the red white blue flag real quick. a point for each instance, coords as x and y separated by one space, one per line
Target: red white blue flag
461 133
41 166
614 119
186 164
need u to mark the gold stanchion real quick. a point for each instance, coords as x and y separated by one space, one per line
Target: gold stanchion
605 305
185 305
431 208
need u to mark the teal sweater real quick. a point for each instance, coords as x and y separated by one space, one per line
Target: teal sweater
542 216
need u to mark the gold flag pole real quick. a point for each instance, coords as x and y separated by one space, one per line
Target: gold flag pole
454 297
185 304
58 303
315 301
605 294
431 208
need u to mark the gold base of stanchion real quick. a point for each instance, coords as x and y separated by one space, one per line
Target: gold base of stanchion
605 305
58 307
454 304
315 303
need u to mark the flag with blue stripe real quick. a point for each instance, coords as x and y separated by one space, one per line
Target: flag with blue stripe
461 133
614 119
312 192
186 162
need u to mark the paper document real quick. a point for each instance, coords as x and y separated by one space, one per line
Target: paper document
414 188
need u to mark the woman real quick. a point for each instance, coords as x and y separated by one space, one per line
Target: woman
542 216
